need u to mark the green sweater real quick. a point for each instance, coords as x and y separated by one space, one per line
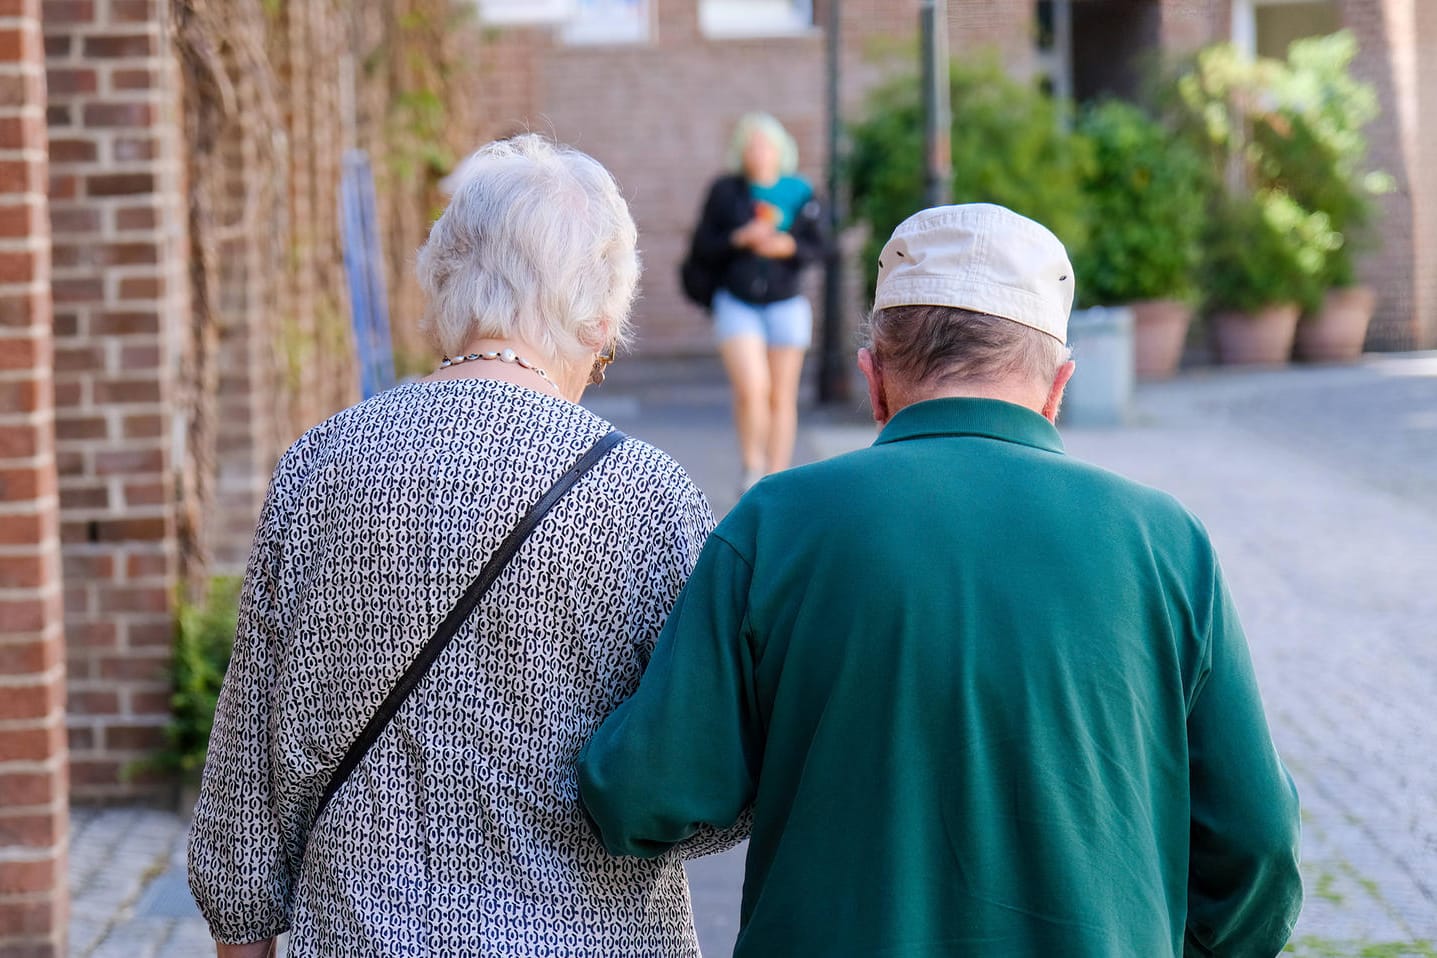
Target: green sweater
983 699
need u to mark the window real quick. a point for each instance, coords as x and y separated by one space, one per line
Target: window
524 12
1267 27
754 18
609 21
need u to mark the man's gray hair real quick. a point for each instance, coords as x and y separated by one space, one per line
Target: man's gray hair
942 345
537 244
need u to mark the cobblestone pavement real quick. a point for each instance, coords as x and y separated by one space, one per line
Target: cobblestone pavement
1319 487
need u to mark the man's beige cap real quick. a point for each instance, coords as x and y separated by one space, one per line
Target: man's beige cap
979 257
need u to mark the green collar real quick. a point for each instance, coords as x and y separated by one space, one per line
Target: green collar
991 418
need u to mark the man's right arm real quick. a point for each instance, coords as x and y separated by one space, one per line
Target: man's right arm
683 752
1244 891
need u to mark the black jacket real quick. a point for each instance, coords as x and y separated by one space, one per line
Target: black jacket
745 274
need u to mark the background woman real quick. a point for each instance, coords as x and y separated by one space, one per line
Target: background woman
460 832
759 228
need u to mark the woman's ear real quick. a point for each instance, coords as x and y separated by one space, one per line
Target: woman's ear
598 335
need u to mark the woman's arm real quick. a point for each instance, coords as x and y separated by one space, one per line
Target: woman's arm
714 237
777 246
255 949
239 868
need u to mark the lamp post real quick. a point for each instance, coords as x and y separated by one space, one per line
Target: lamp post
937 112
833 364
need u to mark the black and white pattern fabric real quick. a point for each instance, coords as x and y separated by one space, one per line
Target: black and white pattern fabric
460 833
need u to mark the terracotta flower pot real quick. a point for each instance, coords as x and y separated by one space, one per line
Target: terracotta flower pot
1262 338
1160 328
1335 334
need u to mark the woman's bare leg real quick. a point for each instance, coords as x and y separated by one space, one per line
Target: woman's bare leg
748 374
785 367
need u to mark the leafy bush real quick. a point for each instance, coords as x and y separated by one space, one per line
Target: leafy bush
204 639
1008 147
1284 137
1147 198
1312 145
1263 250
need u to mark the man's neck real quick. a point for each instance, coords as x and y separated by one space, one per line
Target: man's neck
1018 397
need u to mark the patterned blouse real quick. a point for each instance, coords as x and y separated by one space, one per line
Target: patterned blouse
460 834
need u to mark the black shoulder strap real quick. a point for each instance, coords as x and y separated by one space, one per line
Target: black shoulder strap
461 611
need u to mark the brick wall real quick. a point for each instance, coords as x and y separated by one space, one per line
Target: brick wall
116 192
1423 175
313 328
33 779
1384 59
250 415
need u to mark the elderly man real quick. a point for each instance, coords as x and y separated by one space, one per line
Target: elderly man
983 699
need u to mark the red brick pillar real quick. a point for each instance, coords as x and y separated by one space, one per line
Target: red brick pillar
33 782
1386 59
120 293
1424 176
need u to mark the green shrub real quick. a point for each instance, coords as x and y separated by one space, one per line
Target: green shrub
1263 250
1312 145
1284 136
1009 147
1147 196
204 639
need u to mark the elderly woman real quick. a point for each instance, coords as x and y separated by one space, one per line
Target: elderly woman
458 831
759 228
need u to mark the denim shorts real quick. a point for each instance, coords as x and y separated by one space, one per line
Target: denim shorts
788 322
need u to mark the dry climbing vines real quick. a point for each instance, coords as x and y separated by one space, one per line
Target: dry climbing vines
272 93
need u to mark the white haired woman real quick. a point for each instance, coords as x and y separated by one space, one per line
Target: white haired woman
760 226
372 801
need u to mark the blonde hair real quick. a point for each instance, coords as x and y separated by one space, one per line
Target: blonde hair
537 244
773 131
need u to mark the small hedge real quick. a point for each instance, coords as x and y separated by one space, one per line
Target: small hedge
204 640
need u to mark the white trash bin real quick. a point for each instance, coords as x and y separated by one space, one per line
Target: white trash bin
1101 390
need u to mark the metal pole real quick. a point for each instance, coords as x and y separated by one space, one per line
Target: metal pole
833 364
1063 60
937 113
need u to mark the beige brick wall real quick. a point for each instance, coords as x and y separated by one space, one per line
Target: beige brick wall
116 193
33 781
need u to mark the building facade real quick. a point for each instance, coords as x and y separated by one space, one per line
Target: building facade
652 87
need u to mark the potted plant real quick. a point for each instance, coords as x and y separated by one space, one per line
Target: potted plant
1146 197
1313 147
1264 252
1262 264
